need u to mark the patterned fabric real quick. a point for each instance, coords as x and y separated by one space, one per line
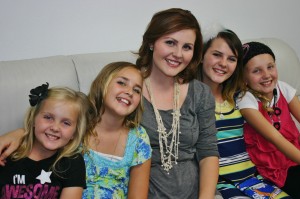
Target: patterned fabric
108 179
235 164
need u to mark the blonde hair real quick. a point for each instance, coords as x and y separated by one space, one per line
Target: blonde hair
71 148
98 92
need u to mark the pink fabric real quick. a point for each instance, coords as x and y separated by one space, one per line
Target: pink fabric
270 162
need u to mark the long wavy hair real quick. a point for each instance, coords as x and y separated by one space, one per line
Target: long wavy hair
166 22
97 93
81 104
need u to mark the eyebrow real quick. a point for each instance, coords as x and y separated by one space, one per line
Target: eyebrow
126 79
177 41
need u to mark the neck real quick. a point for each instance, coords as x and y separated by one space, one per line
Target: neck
38 152
110 124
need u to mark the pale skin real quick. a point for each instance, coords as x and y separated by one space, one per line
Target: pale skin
261 74
55 125
219 63
122 98
171 54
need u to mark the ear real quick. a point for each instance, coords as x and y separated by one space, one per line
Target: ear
151 47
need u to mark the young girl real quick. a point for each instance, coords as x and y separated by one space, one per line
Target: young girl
271 135
221 69
179 110
46 164
117 151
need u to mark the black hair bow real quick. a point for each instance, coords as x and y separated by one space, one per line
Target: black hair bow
38 94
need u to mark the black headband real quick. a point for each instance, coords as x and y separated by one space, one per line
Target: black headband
251 49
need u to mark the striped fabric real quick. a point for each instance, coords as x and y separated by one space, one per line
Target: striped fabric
235 164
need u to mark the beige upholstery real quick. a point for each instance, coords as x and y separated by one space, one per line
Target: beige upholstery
78 71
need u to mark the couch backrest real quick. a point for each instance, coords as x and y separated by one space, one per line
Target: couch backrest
78 71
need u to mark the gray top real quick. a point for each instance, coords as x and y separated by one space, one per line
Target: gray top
197 140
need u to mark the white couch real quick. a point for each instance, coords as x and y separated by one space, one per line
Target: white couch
78 71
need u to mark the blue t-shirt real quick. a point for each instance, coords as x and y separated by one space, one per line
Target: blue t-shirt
108 178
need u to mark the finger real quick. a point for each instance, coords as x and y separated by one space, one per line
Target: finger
2 162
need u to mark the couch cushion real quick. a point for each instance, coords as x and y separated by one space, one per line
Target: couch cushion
18 77
89 65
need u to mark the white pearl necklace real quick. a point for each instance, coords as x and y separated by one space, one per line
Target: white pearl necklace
168 151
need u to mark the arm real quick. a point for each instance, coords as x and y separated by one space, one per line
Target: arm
270 133
294 107
71 192
139 181
209 172
9 142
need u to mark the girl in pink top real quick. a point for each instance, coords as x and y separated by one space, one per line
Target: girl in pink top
272 138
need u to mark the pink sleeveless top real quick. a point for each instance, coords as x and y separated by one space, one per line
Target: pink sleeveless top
270 162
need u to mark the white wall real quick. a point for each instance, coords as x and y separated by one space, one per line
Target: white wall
38 28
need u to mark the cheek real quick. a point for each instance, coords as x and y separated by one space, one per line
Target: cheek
189 56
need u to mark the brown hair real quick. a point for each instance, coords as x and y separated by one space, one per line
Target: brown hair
235 82
166 22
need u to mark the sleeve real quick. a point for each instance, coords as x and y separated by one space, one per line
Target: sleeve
287 91
247 101
205 109
75 173
143 149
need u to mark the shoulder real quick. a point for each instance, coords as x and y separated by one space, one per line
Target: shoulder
74 160
140 133
247 101
287 90
199 90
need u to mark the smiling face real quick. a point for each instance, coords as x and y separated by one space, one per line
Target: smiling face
54 126
123 92
173 52
261 74
219 62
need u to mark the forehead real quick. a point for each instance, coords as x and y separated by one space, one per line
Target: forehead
130 73
61 107
260 60
186 36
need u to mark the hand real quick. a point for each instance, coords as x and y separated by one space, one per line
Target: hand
9 142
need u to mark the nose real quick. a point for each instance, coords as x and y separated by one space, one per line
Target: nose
223 62
129 92
265 74
177 52
55 127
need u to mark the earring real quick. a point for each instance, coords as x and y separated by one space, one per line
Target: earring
151 48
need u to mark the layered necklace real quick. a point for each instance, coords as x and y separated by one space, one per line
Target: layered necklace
168 149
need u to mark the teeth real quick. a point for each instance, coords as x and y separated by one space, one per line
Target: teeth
123 100
219 71
52 137
172 62
266 83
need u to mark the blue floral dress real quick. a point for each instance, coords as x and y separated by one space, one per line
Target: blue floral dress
108 179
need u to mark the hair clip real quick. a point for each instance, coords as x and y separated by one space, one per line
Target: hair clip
38 94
